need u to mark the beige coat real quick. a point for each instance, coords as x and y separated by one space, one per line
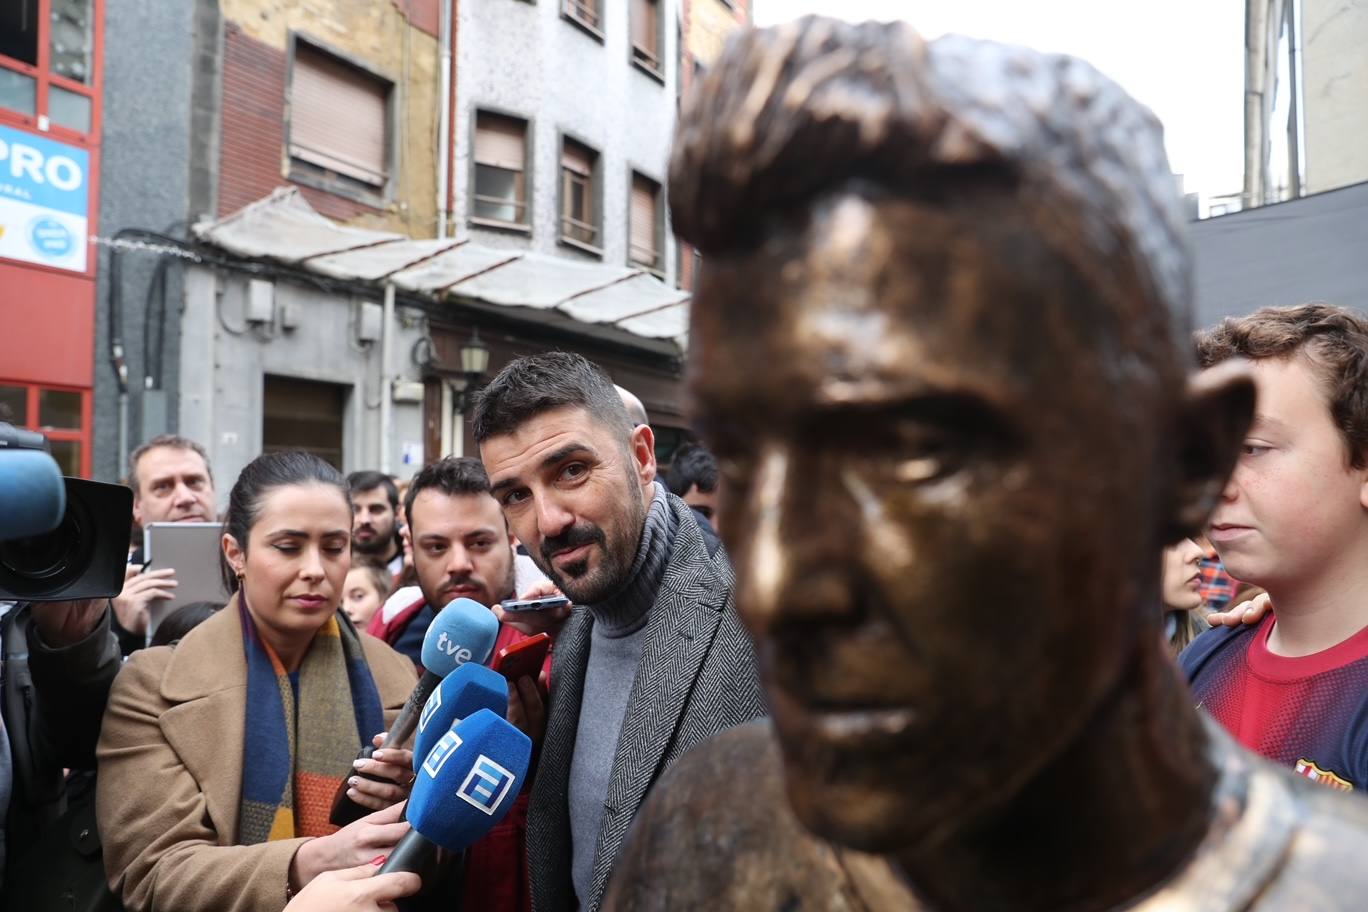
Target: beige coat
170 775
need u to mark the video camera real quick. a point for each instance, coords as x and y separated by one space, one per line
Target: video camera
60 538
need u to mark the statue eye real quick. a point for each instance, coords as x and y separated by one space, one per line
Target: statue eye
922 468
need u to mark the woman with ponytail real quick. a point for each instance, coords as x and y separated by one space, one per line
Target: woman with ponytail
220 756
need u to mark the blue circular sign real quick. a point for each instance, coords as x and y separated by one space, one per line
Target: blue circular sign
51 238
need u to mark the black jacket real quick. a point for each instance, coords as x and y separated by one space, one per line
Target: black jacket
54 702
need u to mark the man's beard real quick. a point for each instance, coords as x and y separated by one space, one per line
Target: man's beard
582 586
502 593
377 546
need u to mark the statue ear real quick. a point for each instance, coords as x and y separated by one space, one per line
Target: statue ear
1218 406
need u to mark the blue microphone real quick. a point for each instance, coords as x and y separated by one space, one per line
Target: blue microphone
464 631
464 692
32 493
464 786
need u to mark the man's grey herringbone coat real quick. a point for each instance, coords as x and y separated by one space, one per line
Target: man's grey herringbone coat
697 676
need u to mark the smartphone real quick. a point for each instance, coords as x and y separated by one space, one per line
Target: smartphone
523 659
537 604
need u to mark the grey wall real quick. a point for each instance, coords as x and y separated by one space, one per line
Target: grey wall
160 84
224 362
524 58
1314 248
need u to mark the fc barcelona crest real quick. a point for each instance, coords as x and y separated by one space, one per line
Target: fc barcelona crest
1312 771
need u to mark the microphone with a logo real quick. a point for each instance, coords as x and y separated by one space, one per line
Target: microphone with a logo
465 785
464 692
464 631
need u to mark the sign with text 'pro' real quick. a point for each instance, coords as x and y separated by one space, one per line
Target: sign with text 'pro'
44 200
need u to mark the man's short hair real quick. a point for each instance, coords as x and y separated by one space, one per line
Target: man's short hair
694 464
539 383
1334 342
452 475
785 119
368 480
172 442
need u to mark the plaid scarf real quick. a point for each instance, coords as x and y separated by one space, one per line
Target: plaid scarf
299 746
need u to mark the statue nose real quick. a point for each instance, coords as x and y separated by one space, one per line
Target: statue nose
791 572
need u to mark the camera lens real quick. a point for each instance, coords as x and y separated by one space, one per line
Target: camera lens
43 556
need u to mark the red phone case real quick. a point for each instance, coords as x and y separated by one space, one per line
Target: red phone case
523 659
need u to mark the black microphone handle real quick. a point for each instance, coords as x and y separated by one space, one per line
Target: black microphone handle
344 810
413 853
407 720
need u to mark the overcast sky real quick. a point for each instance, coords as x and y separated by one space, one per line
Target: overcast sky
1183 58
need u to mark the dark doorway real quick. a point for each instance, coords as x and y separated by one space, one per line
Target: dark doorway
304 415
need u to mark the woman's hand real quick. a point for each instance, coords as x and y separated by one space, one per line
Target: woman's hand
391 764
356 843
357 889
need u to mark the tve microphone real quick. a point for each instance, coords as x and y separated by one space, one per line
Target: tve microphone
32 493
465 785
464 692
464 631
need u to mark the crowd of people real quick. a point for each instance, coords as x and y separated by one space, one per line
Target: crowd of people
207 754
213 792
218 756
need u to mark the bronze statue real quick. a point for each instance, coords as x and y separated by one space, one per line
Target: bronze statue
940 347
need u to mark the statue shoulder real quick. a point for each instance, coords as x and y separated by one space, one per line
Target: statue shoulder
1324 868
716 832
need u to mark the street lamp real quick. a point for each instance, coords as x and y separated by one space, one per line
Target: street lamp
474 363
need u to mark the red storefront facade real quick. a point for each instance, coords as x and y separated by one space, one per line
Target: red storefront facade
50 109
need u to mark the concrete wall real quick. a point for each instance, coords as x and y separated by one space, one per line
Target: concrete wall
527 60
1332 96
224 362
156 174
1335 68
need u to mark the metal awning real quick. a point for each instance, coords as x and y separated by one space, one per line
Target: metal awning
283 227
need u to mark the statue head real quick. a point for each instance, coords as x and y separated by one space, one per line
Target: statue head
939 346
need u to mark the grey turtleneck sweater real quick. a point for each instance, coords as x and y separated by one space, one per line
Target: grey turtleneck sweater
615 645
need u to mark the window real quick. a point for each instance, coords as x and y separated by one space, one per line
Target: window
646 34
303 415
339 122
579 222
500 171
646 229
47 62
61 414
585 12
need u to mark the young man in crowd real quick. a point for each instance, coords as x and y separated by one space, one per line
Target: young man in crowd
693 476
375 524
1294 520
171 482
461 549
654 659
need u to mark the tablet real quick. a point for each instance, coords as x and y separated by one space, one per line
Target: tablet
192 550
